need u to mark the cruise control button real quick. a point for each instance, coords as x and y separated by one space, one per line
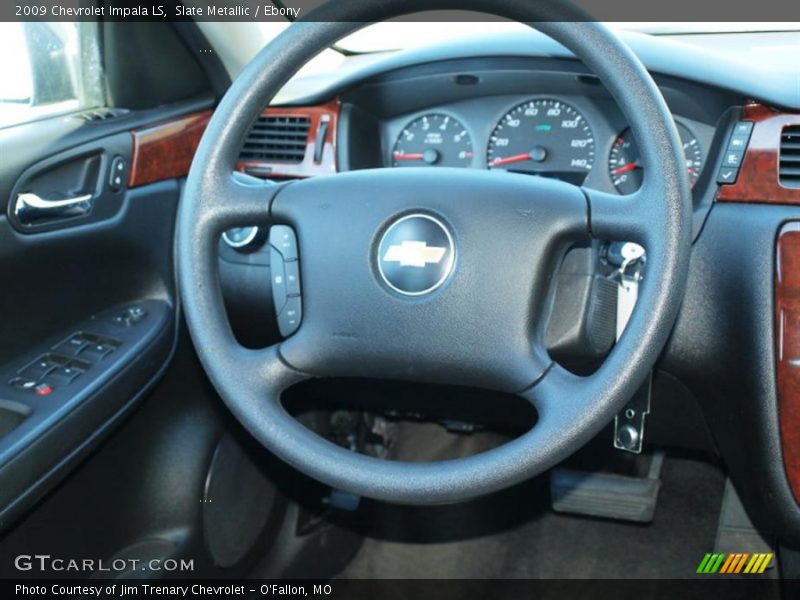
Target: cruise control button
282 238
290 317
291 270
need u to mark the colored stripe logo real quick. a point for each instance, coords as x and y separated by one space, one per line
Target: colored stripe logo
735 563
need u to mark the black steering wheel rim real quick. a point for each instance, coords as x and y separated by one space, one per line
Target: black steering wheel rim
571 409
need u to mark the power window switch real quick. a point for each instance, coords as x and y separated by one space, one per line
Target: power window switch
72 346
96 351
38 369
64 374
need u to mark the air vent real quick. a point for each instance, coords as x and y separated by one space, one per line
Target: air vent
789 169
103 114
277 139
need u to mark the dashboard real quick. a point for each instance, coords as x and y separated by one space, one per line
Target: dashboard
582 140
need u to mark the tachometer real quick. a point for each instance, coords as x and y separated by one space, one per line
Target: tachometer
625 168
433 140
543 137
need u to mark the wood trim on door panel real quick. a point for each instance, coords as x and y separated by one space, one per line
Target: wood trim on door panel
166 150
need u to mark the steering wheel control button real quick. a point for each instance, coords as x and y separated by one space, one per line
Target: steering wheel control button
291 315
416 255
291 270
283 239
285 274
278 275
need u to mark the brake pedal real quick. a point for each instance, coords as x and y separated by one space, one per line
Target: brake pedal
607 495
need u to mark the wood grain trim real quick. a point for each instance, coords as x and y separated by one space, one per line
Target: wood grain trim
758 175
787 336
308 167
166 150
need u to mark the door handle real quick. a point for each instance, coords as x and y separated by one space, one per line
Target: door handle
32 208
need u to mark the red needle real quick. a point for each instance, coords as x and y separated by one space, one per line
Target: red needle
400 156
625 168
510 159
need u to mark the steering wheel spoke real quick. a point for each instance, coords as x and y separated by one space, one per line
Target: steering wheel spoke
627 218
240 200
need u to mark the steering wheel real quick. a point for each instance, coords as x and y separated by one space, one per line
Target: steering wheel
477 317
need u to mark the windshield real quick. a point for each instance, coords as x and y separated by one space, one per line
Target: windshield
401 35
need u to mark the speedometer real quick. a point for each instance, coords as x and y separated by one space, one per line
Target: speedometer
544 137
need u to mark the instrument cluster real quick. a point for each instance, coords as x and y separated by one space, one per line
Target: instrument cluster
578 140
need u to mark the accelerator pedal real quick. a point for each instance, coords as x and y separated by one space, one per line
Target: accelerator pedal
607 495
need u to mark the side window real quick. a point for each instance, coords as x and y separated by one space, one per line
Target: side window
49 69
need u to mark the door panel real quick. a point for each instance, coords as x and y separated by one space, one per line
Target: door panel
88 293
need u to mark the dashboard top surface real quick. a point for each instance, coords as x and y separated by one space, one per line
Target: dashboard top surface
772 79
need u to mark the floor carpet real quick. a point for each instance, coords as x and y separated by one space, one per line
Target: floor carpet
515 534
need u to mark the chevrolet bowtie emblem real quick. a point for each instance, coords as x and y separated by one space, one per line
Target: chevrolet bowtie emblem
414 254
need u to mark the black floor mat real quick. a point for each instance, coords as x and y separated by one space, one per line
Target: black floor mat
514 534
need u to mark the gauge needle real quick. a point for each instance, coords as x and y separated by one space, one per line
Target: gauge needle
625 168
417 156
510 159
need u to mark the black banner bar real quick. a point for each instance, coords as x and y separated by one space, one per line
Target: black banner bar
743 11
705 587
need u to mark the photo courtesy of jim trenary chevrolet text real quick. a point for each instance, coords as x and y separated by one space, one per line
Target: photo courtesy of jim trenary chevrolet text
400 299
